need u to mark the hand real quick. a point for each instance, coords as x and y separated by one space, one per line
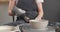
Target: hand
39 17
26 19
10 13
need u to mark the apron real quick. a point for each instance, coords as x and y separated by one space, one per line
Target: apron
29 6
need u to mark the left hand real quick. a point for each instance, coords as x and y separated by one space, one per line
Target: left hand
39 17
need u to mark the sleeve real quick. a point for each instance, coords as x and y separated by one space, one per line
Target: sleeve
16 1
39 1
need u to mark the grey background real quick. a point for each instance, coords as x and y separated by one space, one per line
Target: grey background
51 11
4 17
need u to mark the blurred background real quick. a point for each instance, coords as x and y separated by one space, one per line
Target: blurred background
4 17
51 11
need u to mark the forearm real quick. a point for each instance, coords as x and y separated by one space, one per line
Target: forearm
11 4
40 8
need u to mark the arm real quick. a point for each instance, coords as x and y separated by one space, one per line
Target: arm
40 10
10 7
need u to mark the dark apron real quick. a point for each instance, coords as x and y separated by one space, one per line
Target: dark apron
30 7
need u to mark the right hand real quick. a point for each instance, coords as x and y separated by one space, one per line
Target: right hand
26 19
10 13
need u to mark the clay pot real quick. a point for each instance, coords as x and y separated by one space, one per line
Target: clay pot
38 24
